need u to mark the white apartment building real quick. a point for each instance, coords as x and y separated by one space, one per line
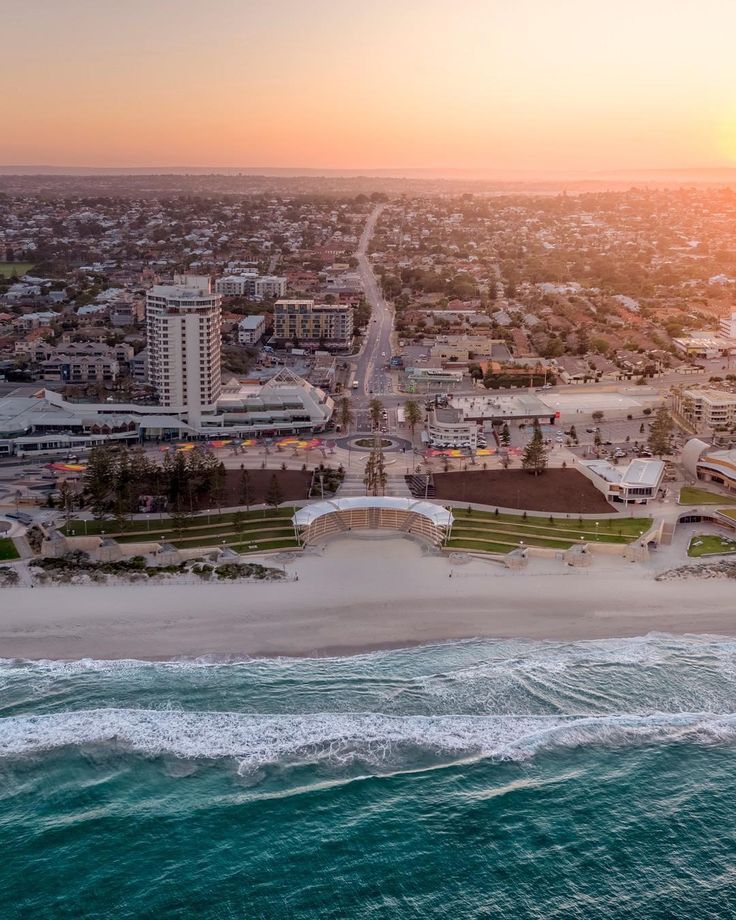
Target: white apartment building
257 287
706 408
448 428
251 329
183 322
728 326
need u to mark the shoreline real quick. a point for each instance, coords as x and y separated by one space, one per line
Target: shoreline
359 596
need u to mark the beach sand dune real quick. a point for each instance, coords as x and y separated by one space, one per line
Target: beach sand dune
357 595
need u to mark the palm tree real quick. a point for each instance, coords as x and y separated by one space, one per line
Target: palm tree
414 415
375 408
347 416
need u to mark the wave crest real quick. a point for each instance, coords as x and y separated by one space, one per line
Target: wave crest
259 740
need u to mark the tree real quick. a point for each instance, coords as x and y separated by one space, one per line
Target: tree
66 499
245 494
347 416
375 477
660 432
413 415
238 522
505 435
273 495
597 415
375 408
98 481
534 459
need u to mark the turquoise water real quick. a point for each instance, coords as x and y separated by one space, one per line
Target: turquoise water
482 778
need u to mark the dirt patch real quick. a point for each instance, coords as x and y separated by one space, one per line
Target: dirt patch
557 490
293 484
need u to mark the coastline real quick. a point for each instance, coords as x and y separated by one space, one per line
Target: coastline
359 596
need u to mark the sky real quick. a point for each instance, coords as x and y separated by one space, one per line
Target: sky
511 86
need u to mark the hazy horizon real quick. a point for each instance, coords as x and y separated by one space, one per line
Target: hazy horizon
525 88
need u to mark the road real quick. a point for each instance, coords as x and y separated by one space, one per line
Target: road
373 380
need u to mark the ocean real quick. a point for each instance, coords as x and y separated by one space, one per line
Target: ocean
482 778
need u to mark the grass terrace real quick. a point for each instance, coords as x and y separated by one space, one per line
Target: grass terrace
499 533
7 549
711 544
692 496
255 531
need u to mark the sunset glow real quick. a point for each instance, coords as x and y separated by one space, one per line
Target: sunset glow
493 84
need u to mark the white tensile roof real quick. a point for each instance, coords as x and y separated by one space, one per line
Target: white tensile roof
439 516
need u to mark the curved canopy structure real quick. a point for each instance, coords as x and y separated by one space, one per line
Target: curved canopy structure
342 515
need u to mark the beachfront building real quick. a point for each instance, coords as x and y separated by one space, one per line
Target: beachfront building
47 424
637 482
183 327
710 465
304 321
718 466
447 427
706 409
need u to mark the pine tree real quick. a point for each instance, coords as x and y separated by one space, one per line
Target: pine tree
534 459
660 432
273 495
505 435
245 496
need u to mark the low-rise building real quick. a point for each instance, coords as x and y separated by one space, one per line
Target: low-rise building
707 409
636 482
251 329
254 286
305 321
447 427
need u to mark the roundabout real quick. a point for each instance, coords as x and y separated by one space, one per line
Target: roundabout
365 442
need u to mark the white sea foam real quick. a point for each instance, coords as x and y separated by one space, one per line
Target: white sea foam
551 655
257 740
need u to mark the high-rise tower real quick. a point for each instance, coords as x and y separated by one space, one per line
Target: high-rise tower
183 325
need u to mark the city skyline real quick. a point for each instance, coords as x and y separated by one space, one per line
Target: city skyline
537 88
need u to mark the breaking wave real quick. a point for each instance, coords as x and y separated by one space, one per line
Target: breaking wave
376 739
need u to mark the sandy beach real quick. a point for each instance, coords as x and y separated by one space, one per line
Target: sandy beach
359 594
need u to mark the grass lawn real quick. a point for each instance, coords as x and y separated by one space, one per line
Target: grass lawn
257 530
705 544
489 532
728 512
8 269
692 496
7 549
155 526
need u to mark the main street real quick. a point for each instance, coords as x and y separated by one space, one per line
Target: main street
372 379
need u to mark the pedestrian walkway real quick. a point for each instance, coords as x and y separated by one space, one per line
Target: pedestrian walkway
352 485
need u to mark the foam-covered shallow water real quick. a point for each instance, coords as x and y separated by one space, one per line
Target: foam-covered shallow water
484 778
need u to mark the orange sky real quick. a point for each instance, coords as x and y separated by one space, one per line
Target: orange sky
537 85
